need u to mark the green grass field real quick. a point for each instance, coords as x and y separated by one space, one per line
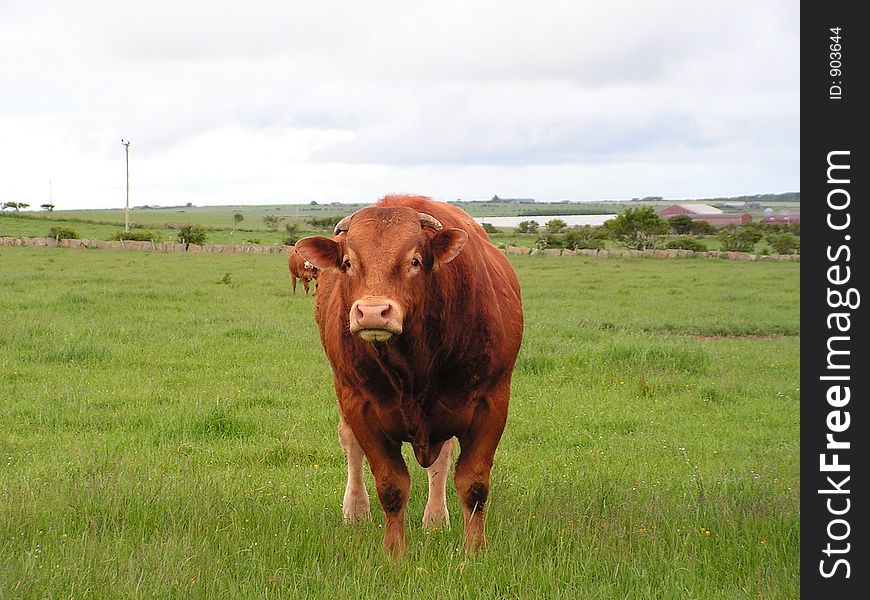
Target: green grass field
167 435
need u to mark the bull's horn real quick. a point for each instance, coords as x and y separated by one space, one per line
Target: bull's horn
429 221
342 225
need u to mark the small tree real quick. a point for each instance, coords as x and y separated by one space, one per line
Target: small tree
237 218
47 207
680 224
272 221
556 225
742 239
22 205
637 228
292 234
527 227
489 227
191 234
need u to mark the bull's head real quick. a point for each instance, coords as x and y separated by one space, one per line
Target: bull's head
384 257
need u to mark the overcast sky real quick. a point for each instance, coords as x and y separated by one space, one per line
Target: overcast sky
261 102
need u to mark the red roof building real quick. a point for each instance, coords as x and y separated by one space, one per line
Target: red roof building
705 212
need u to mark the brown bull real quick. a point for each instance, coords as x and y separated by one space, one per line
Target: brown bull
301 269
421 319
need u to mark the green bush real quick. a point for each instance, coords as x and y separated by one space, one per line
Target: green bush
325 223
686 243
192 234
489 227
587 236
739 239
527 227
784 243
272 221
550 240
681 224
289 240
556 225
702 228
138 236
63 233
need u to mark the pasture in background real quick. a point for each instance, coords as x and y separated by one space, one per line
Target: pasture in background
168 429
284 224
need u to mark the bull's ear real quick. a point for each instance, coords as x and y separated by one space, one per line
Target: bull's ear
320 251
447 244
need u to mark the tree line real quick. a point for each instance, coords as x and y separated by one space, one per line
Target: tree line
642 229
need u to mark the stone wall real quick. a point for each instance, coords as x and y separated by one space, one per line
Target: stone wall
657 253
134 245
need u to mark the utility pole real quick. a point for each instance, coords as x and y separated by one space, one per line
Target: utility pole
127 209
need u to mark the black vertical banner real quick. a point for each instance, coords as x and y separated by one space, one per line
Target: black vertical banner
834 364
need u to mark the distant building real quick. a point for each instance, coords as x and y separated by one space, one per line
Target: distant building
782 219
705 212
496 198
689 209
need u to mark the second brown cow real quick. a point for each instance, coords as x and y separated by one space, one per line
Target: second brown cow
301 269
421 320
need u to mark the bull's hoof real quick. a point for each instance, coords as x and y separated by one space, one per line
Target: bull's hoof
475 538
395 545
436 518
356 508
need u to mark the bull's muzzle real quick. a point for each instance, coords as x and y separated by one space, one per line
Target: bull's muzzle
375 320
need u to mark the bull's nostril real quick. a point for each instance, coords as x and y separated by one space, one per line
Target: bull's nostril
386 312
359 313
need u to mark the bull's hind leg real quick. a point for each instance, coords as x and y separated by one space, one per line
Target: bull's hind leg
478 446
436 514
293 279
305 285
356 504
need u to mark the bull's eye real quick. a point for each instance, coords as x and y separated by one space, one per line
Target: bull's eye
415 262
346 264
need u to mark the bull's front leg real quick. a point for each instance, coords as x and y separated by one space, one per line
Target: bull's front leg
478 446
436 513
356 498
392 480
